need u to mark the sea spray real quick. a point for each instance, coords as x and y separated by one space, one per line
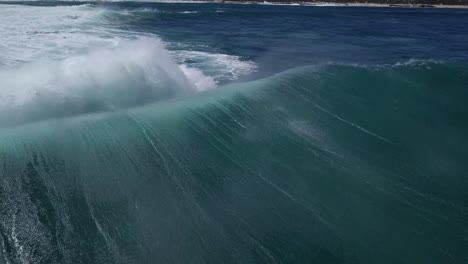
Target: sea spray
135 72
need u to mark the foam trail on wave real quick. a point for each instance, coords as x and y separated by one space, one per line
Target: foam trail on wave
354 125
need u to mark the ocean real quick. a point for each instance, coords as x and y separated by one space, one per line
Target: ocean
218 133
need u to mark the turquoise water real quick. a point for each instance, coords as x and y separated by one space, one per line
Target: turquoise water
139 133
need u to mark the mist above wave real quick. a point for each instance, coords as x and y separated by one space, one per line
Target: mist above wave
135 72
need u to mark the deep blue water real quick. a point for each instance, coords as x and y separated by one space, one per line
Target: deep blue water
216 133
283 37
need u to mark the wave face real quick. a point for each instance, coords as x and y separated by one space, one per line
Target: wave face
345 173
181 133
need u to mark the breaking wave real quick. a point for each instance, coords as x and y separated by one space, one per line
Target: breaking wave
291 153
135 72
71 60
118 149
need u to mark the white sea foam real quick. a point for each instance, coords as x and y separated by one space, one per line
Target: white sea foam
280 3
29 33
221 66
60 32
325 4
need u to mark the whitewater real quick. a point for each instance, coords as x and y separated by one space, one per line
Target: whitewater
136 132
69 60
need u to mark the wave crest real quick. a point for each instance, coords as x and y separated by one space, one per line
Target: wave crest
133 73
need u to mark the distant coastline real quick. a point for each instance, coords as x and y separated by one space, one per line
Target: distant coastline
362 3
337 3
